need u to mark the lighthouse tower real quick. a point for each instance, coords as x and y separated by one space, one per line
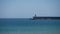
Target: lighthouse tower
35 15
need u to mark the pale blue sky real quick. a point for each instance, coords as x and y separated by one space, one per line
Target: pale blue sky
27 8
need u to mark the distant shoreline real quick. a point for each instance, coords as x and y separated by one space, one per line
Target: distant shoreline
37 18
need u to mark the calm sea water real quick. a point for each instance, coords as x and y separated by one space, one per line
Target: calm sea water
26 26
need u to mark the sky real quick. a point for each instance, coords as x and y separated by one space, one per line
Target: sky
28 8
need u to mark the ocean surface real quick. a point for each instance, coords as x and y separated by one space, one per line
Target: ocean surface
27 26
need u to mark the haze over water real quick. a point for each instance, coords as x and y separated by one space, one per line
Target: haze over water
14 12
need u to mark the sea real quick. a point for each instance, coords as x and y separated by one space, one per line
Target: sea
28 26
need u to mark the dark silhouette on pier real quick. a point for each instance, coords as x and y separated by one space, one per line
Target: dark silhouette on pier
45 18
